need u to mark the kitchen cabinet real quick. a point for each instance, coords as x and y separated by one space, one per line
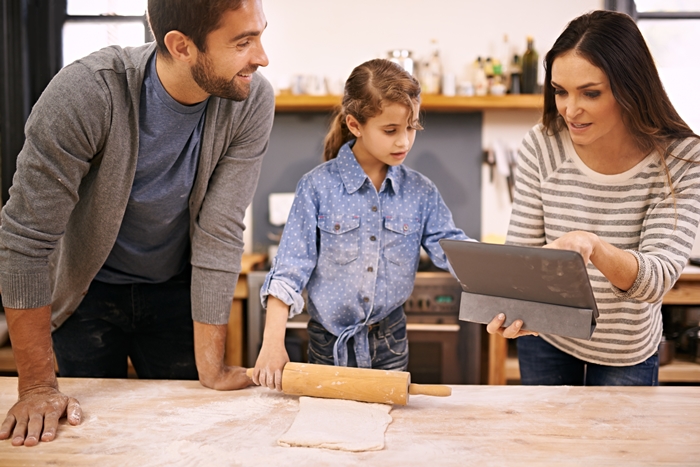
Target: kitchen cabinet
686 291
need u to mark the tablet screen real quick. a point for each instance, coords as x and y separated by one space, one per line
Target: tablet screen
543 275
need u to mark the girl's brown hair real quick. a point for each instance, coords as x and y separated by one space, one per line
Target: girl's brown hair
612 42
370 86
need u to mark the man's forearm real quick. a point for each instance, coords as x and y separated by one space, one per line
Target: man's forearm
30 334
209 349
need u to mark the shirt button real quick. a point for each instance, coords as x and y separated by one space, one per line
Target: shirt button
366 299
370 269
374 208
373 238
336 227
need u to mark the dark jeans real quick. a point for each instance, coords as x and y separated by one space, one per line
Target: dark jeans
388 344
543 364
149 323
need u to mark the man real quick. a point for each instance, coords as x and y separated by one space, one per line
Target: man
125 217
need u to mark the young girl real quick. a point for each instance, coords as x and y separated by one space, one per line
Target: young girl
354 233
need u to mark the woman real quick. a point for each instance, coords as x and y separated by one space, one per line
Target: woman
612 172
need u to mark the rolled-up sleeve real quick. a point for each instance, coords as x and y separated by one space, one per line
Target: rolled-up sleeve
298 252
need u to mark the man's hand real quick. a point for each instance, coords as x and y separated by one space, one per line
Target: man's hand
37 409
35 416
209 347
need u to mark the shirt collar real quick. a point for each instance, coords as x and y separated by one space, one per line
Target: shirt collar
353 176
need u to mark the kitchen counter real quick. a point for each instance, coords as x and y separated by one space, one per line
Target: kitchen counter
156 423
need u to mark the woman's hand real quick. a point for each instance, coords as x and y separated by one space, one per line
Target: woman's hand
584 243
512 331
618 266
269 366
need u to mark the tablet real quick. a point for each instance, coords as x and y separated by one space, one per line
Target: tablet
548 289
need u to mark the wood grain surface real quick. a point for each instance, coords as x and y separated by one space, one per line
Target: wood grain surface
163 423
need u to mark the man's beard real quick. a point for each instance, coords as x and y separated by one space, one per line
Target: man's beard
203 75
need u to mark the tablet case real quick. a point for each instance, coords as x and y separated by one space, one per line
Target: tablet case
548 289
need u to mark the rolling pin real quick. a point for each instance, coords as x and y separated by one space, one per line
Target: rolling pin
357 384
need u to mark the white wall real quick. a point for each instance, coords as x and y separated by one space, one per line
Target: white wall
331 37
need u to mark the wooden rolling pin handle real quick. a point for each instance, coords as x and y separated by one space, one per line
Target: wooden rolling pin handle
249 372
429 390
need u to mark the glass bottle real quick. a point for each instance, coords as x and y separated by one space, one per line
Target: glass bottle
431 71
530 68
515 84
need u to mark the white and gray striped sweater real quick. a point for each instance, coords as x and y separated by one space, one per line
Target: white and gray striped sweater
556 193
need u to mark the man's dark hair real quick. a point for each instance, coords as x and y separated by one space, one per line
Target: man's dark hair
194 18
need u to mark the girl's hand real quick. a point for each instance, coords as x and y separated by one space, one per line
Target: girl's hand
579 241
511 332
269 366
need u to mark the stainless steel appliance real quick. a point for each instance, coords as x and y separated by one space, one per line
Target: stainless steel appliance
442 349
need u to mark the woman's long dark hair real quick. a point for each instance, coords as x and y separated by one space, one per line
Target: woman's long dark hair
370 86
612 42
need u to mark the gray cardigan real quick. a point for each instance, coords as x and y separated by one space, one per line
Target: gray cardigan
74 177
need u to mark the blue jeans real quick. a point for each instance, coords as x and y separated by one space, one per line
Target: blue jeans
388 344
149 323
543 364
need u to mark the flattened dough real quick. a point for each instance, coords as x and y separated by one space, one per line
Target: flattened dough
338 424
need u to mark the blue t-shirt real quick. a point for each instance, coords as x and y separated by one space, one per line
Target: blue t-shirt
153 241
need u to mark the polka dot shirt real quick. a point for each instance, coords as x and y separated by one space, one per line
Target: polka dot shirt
356 250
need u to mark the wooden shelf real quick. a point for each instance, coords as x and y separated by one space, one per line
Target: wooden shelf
681 370
685 291
433 103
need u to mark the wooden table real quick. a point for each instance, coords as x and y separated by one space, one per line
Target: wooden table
157 423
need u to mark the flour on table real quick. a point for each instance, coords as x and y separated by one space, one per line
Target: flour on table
338 424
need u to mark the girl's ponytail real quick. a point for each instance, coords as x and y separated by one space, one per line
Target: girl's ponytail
337 135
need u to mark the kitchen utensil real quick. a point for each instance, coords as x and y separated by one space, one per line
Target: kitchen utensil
358 384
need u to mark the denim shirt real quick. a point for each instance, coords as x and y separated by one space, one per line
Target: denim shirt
356 250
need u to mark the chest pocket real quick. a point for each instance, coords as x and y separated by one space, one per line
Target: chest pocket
401 240
340 238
